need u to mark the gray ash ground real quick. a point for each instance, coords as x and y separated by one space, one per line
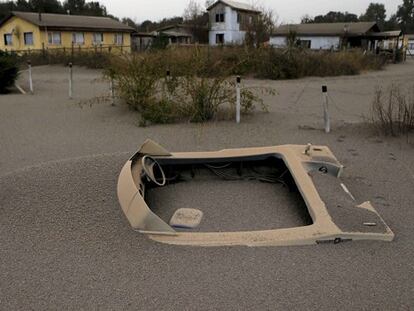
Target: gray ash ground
65 244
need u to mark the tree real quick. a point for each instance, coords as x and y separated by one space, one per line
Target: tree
146 26
80 7
260 28
129 22
192 11
375 13
391 23
332 17
197 20
405 15
94 8
45 6
306 19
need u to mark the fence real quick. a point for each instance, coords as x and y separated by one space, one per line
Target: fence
93 57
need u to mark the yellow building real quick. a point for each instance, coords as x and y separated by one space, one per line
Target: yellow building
35 31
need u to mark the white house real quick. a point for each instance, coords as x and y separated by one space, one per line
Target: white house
410 44
229 21
331 35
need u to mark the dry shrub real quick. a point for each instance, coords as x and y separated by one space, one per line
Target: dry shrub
90 59
199 88
296 63
8 71
393 110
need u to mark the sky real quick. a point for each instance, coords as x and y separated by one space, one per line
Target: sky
289 11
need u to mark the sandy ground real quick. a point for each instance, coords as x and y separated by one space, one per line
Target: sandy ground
65 244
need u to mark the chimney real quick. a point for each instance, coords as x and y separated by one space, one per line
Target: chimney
40 17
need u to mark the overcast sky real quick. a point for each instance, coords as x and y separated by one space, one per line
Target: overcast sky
288 11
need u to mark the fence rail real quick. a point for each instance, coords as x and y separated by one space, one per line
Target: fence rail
73 49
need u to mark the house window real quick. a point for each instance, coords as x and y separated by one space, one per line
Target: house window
28 38
118 38
8 39
78 38
220 38
238 18
54 38
411 46
98 38
220 18
250 19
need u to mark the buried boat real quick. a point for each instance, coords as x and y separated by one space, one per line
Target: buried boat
311 171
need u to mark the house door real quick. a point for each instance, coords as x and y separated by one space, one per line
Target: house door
220 38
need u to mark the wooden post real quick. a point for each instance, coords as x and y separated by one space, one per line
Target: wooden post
325 109
29 64
238 98
70 81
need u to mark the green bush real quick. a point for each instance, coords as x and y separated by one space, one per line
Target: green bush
8 71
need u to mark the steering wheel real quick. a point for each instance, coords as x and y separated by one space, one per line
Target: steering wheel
148 164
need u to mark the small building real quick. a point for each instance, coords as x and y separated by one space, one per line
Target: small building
229 21
176 34
26 30
141 41
333 36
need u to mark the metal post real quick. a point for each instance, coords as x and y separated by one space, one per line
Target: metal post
238 97
111 88
325 109
29 64
167 79
70 81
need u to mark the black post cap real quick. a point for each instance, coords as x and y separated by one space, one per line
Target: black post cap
238 79
324 89
70 65
168 73
29 62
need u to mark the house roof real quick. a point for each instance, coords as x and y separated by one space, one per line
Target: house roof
387 34
142 34
70 22
328 29
188 27
177 34
241 6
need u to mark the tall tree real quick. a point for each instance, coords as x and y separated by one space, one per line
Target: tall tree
405 15
375 13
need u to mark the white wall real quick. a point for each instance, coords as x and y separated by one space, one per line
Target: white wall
410 50
278 42
317 43
230 28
